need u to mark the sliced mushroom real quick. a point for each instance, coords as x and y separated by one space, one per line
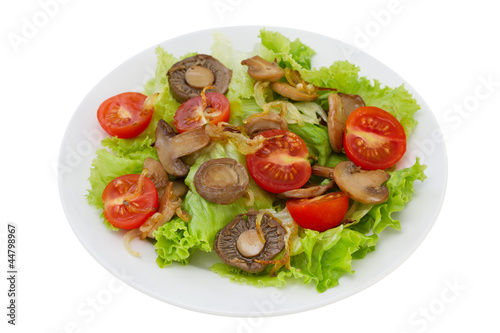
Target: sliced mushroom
240 245
171 146
285 89
157 174
262 70
336 122
222 181
351 102
188 77
365 186
307 192
264 122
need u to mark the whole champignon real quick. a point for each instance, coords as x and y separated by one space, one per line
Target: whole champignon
222 181
262 70
171 146
351 102
336 122
239 244
264 122
365 186
189 76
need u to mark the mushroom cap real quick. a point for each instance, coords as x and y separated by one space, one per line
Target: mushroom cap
365 186
222 180
182 90
226 241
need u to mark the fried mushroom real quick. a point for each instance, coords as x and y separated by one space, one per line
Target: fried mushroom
171 146
262 70
189 76
264 122
365 186
336 122
351 102
240 245
222 181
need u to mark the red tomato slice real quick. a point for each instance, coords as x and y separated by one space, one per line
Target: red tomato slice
123 116
281 164
192 113
129 200
319 213
374 138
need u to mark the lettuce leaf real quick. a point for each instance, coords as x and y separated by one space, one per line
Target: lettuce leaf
293 54
316 139
166 105
241 85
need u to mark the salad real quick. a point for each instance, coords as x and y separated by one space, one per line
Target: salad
283 170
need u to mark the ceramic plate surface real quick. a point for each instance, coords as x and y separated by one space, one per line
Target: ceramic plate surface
193 286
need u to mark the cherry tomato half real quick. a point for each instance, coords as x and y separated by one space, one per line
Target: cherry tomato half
123 116
319 213
374 138
281 164
129 200
192 113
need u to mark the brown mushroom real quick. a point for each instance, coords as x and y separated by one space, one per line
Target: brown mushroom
365 186
351 102
336 122
307 191
262 70
240 245
171 146
188 77
263 122
157 174
285 89
179 187
222 181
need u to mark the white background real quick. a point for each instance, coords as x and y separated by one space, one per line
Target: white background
446 51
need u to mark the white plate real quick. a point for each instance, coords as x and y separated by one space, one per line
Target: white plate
194 286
